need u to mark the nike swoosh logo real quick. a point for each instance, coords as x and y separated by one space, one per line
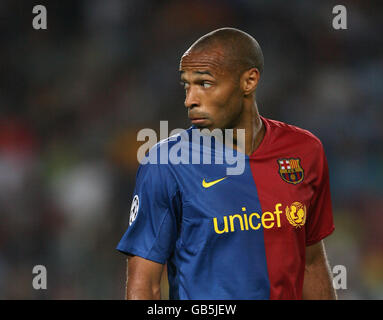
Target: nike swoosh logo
212 183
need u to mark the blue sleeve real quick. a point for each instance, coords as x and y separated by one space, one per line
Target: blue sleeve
152 230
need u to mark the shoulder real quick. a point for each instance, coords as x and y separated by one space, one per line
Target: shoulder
181 136
157 162
285 133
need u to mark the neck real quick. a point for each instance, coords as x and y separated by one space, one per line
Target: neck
254 128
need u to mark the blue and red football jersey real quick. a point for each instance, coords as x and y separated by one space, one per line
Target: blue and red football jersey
234 236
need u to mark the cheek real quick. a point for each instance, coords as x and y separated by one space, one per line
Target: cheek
225 94
223 107
230 101
217 104
233 110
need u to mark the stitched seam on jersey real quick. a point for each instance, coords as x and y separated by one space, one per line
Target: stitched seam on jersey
314 197
168 171
178 188
162 222
158 233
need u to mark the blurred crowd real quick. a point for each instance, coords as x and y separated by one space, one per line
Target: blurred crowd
73 97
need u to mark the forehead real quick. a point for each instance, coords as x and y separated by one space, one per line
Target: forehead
208 61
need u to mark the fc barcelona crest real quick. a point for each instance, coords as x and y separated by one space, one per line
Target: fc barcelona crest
290 170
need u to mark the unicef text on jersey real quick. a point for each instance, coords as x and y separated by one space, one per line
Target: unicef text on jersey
193 146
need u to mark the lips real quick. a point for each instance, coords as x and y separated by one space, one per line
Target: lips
196 116
196 120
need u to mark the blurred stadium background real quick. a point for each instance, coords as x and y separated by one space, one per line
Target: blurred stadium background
73 97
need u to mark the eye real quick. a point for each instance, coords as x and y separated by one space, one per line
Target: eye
184 84
206 85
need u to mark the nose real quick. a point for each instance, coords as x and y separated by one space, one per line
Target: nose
191 99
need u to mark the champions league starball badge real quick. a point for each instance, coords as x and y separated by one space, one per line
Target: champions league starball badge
134 209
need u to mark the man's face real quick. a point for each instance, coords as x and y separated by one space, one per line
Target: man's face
213 95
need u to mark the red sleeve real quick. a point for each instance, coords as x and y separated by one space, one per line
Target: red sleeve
320 222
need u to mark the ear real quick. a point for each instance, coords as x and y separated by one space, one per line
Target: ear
249 80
